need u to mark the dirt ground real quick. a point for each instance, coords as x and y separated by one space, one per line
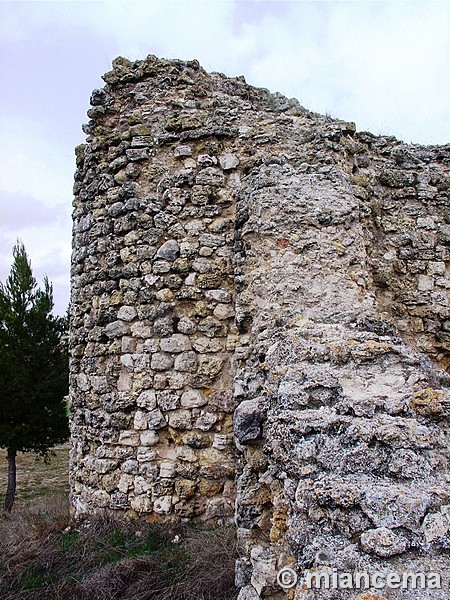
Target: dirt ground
34 477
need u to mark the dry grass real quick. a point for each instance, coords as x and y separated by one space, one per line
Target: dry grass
41 557
44 557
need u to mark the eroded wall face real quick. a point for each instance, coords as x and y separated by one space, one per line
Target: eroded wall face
258 293
153 328
344 437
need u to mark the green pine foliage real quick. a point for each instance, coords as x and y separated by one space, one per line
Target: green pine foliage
33 363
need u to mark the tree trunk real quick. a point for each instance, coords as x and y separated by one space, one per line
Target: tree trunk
11 489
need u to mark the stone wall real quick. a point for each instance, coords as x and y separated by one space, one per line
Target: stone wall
260 326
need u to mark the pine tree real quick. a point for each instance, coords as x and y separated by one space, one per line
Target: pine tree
33 368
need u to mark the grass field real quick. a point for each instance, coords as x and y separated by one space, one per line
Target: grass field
45 556
35 477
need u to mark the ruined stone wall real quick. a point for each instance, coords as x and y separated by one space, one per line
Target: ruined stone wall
259 305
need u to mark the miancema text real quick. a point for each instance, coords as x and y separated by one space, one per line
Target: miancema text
332 579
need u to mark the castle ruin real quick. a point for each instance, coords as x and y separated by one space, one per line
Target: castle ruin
260 328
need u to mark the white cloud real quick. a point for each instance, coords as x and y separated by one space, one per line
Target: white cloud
383 64
35 202
48 249
31 164
374 62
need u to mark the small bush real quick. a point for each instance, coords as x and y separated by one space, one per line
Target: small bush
43 557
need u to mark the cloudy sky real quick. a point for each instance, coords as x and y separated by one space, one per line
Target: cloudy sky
383 64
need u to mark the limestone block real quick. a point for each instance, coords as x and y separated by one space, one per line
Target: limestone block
186 325
130 467
264 568
141 504
185 488
126 482
383 542
168 400
82 382
206 160
145 454
210 365
127 313
129 438
160 267
147 399
389 506
127 361
247 421
125 382
155 419
101 498
128 345
141 485
228 161
149 438
207 344
431 402
99 384
117 329
181 151
170 250
140 420
210 176
186 362
218 295
223 312
222 441
141 329
167 469
161 361
119 501
105 465
176 343
193 398
163 505
206 421
165 295
248 592
437 525
163 326
180 419
425 283
178 380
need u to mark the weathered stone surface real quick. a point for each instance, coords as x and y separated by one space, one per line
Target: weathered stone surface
383 542
228 161
117 329
147 399
169 250
232 249
155 419
193 398
176 343
161 361
247 421
149 438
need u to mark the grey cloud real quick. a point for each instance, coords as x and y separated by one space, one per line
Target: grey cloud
18 211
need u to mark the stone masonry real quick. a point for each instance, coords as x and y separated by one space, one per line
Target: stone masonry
260 328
